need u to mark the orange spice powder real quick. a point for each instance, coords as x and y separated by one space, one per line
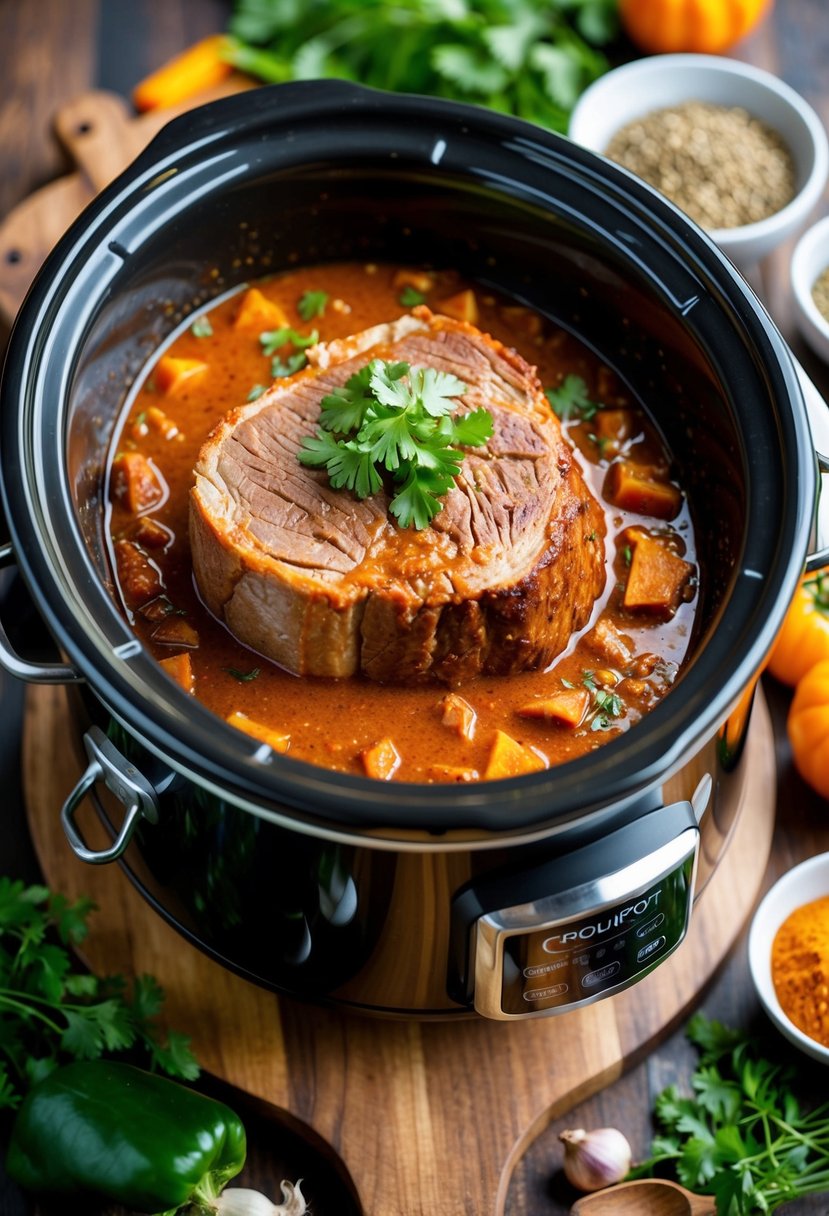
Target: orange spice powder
800 968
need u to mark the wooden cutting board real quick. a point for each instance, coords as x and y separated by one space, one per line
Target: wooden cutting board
426 1117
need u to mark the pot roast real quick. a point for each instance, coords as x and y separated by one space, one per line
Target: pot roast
325 584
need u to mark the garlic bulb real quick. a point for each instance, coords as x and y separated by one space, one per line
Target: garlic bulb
239 1201
593 1160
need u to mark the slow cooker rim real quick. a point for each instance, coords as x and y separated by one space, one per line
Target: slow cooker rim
360 802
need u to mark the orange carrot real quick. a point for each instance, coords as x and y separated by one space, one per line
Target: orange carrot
257 313
509 758
564 708
180 667
200 67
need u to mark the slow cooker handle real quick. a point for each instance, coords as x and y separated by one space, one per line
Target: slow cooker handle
26 669
124 781
819 559
818 414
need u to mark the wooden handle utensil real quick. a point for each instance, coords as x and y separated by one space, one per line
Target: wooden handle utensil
645 1197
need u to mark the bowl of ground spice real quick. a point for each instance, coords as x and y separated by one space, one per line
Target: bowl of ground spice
788 954
810 286
735 148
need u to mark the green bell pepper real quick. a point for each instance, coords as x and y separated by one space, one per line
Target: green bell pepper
141 1140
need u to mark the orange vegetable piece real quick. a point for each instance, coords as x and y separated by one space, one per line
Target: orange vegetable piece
451 772
171 375
509 758
257 314
174 630
808 727
704 26
135 483
138 578
459 715
564 708
158 421
656 576
630 487
381 761
180 667
461 307
804 637
420 280
150 534
257 730
201 67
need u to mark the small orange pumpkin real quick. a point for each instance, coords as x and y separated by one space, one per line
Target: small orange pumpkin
808 727
705 26
804 637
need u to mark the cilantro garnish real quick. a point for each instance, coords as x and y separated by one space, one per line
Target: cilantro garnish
287 367
395 418
410 296
201 328
256 392
312 304
743 1134
51 1012
273 339
242 676
531 58
570 400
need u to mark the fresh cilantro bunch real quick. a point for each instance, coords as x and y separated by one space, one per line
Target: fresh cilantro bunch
571 400
51 1012
393 417
531 58
743 1136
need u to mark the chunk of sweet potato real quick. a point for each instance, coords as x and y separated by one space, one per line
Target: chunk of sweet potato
458 715
138 578
175 630
135 484
461 307
172 375
150 534
256 313
509 758
565 707
257 730
180 667
656 576
420 280
162 423
381 761
634 488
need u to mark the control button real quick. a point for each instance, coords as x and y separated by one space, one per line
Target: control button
544 994
594 978
545 969
647 930
650 949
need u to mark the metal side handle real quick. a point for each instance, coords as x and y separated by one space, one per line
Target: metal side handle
122 779
25 669
818 412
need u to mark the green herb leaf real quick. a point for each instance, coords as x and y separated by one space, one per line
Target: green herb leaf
201 327
570 400
256 392
396 418
312 304
410 297
242 676
287 367
273 340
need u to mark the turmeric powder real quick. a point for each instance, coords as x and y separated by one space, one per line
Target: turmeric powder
800 968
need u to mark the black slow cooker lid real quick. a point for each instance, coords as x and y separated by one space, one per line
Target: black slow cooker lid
315 150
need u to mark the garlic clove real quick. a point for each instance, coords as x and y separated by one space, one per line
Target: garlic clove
240 1201
596 1159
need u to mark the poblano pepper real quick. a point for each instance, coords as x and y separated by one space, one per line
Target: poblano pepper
131 1136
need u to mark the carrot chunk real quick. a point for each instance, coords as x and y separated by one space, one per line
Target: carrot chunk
138 578
509 758
420 280
180 667
135 483
172 375
150 533
257 730
461 307
256 313
176 631
451 772
381 761
564 708
459 715
158 421
656 576
632 488
201 67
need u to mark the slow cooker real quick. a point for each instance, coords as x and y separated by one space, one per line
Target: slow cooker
515 898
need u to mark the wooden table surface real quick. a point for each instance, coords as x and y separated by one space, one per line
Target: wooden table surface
53 50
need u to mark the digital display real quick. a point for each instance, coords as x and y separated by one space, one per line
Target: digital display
576 960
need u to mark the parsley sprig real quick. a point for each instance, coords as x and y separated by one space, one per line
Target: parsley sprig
531 58
396 418
743 1135
50 1011
572 401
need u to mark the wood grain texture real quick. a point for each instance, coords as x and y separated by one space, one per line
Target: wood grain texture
426 1117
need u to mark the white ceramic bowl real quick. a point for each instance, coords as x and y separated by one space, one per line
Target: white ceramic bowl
811 257
638 88
806 882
